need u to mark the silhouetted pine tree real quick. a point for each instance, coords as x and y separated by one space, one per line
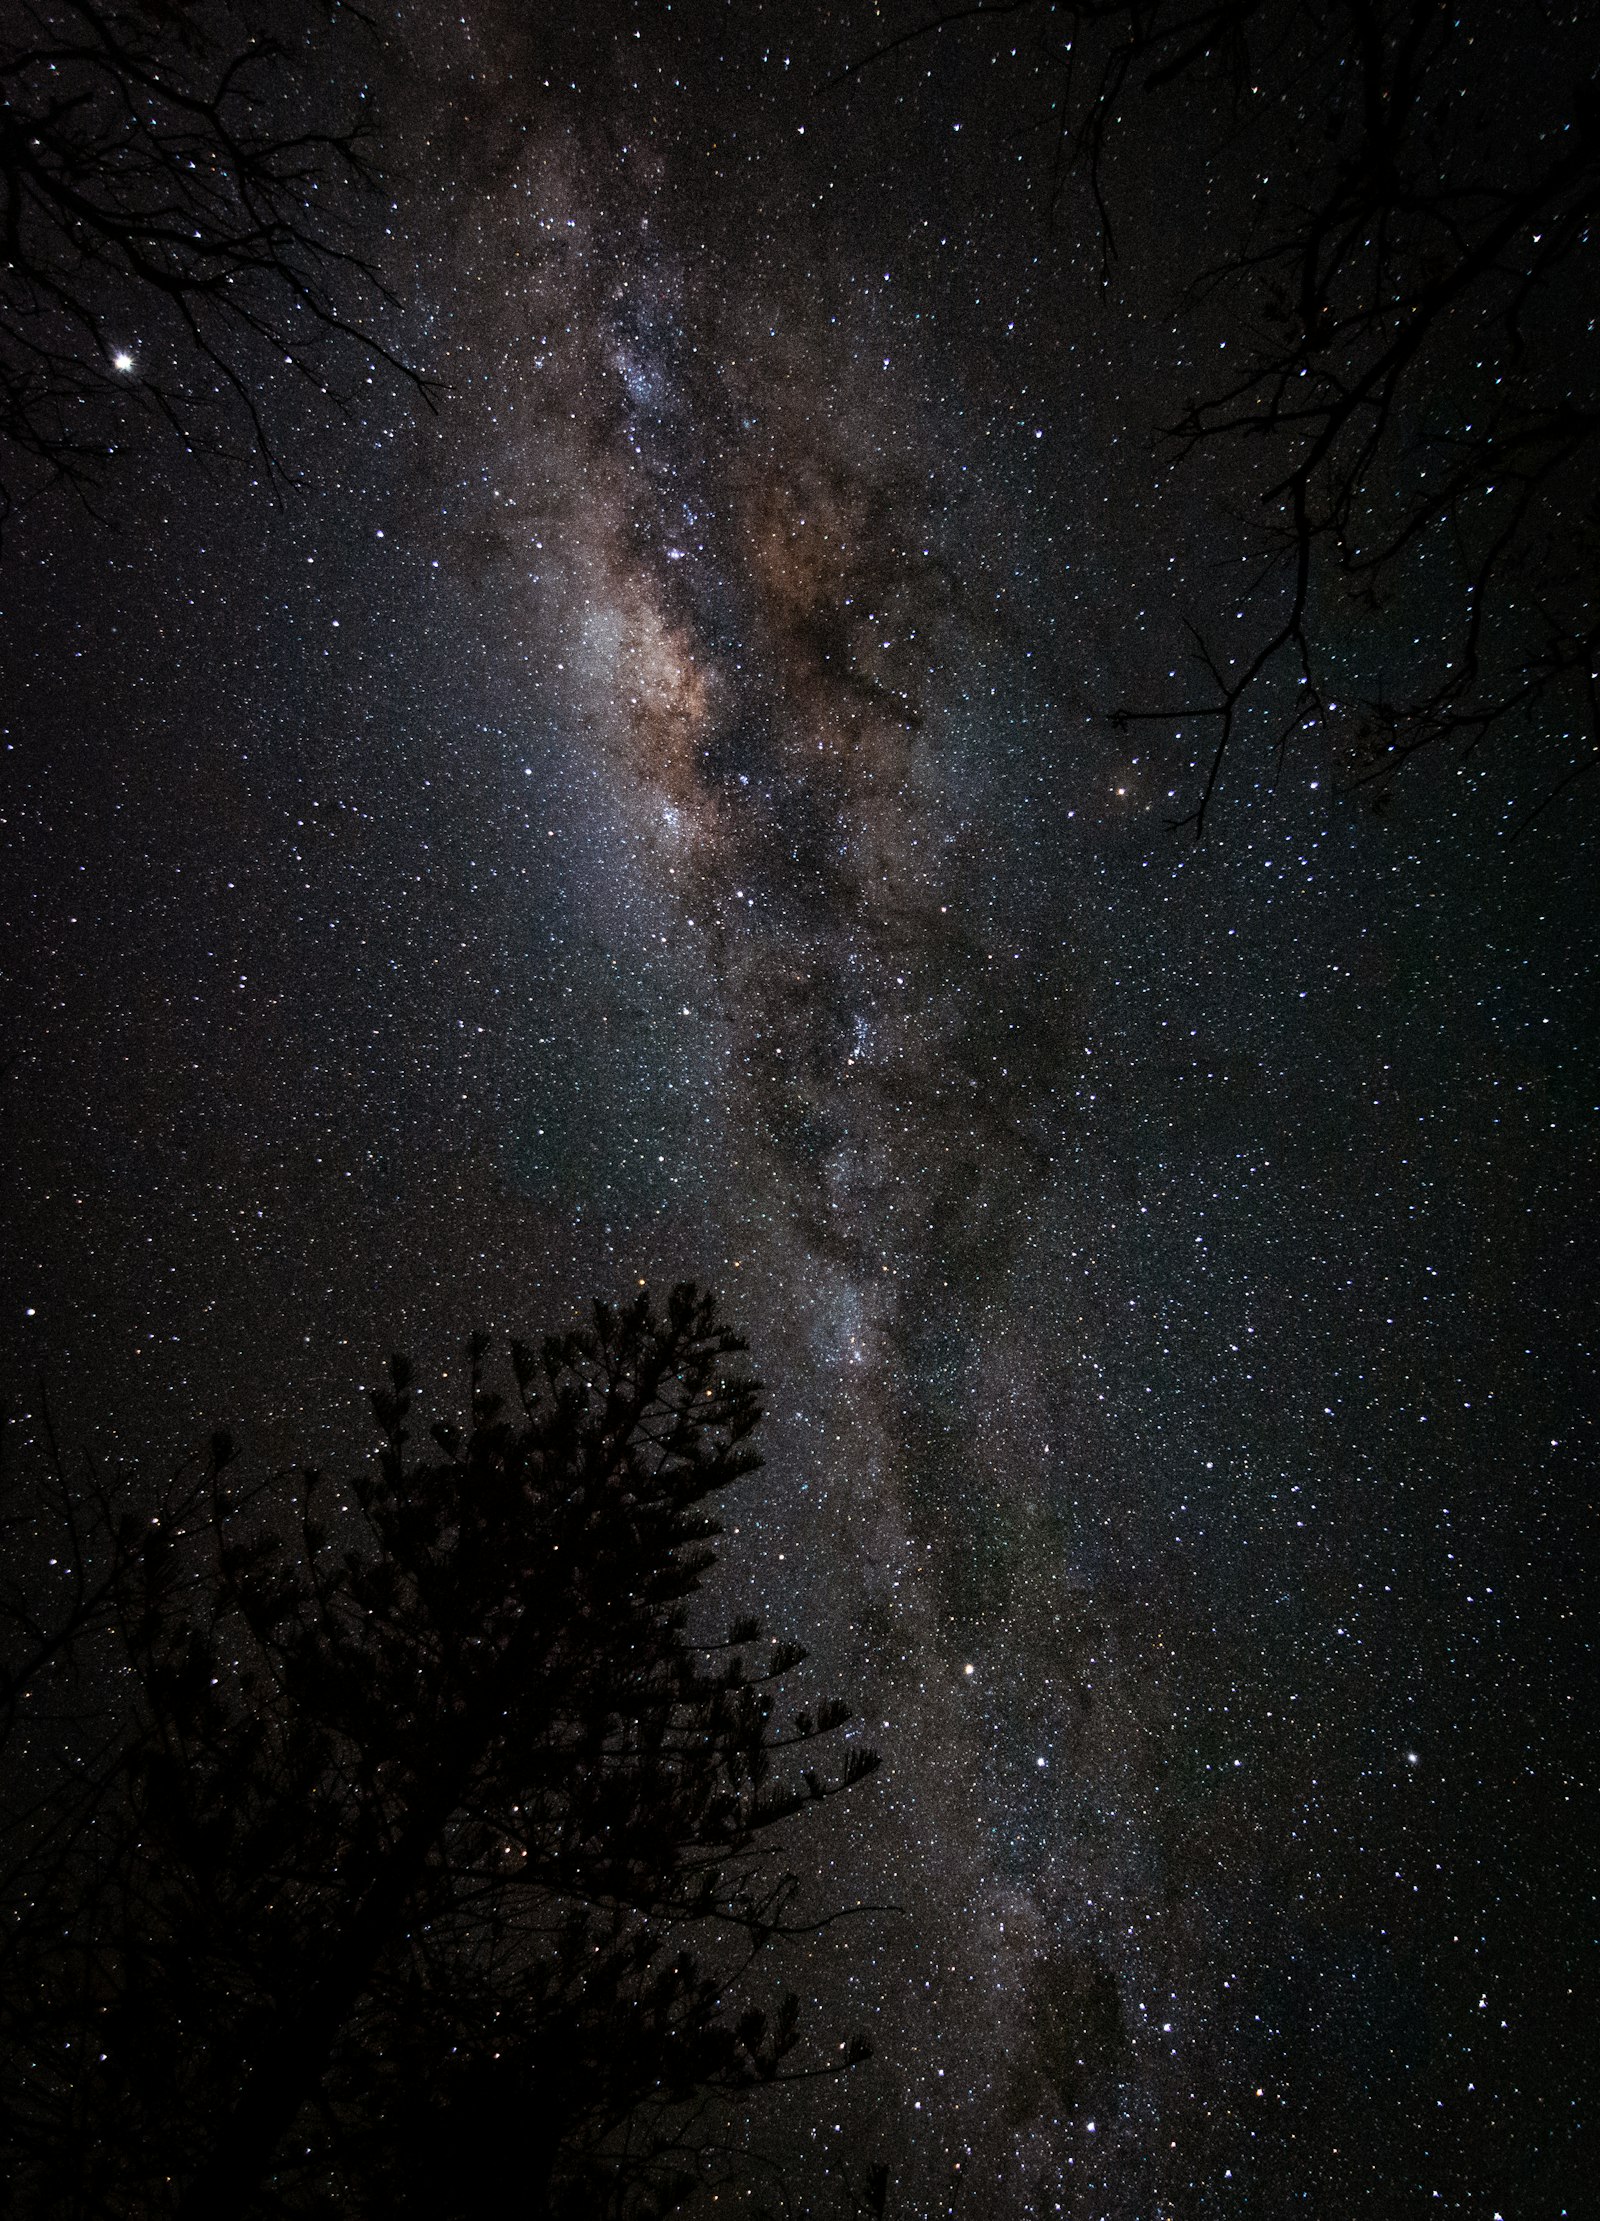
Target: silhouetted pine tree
372 1881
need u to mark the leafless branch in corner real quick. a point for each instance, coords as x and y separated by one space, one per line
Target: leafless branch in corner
182 196
1406 283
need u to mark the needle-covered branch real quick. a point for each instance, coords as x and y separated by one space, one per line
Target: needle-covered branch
442 1850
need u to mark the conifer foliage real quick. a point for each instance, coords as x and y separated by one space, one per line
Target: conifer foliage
415 1851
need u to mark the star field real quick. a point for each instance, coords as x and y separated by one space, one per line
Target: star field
661 817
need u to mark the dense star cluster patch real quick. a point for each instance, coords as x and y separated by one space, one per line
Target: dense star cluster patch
663 817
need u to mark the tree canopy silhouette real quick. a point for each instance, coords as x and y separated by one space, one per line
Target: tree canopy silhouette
404 1844
1390 205
181 184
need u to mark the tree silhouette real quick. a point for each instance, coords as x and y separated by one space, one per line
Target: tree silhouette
1393 206
410 1846
179 195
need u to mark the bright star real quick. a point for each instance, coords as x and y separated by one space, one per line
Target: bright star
122 360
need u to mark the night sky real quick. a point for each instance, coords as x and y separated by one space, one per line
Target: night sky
659 815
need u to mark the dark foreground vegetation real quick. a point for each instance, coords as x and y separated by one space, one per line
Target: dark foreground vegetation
406 1843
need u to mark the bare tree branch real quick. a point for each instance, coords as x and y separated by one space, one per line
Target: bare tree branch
183 197
1410 291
